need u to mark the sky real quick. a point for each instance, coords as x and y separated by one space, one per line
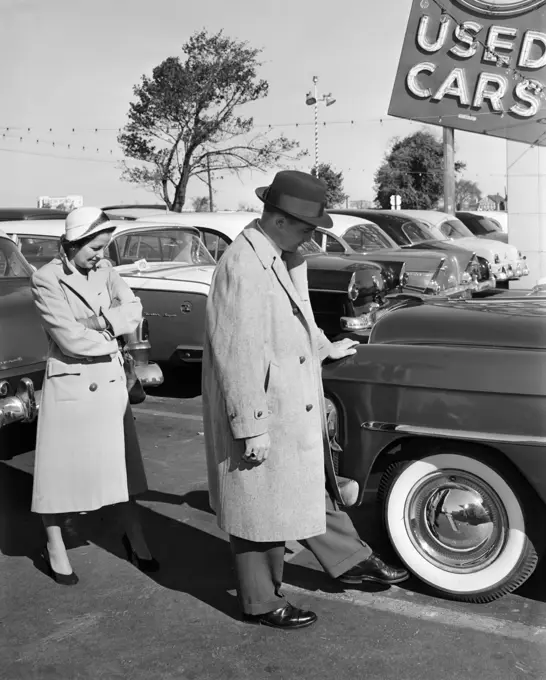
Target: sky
69 68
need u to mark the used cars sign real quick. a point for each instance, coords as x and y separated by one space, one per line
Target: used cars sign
475 65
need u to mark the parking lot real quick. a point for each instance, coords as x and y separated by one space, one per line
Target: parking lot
183 622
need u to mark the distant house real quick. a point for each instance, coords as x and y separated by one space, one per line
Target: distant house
493 202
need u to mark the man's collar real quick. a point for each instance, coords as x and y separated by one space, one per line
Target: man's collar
278 250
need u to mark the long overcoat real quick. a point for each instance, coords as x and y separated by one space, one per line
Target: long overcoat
86 431
262 373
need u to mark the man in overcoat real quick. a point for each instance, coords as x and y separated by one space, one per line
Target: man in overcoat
268 455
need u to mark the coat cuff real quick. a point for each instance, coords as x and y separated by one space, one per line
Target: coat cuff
250 424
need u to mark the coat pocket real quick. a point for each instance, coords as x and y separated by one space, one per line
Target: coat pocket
64 380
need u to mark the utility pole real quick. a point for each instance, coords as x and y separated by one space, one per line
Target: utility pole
211 204
449 170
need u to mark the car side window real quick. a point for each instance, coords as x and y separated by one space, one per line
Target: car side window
39 250
214 243
333 245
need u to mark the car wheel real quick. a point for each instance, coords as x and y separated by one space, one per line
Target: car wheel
459 524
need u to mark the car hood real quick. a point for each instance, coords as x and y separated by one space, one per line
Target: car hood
417 260
496 236
487 248
199 273
334 272
22 339
497 322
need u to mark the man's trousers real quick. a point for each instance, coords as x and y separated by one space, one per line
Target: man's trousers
259 566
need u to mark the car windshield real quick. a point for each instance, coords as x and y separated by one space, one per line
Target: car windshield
454 228
404 231
365 237
160 245
12 264
484 225
309 247
38 250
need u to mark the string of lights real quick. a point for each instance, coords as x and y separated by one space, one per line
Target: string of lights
26 131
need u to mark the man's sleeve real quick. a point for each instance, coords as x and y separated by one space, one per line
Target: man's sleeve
236 333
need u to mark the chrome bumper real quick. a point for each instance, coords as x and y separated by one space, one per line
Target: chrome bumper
150 375
22 407
509 272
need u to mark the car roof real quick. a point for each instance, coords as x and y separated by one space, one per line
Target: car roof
56 227
9 214
34 227
229 223
343 222
435 217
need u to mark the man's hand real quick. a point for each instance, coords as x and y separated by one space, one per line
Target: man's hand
257 449
343 348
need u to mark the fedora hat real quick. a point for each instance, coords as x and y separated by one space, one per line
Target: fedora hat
299 195
84 222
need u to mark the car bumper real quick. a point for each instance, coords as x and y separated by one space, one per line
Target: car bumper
150 375
22 407
510 271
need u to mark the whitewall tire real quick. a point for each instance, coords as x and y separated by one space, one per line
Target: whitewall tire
459 525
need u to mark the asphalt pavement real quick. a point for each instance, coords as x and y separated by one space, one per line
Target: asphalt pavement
183 623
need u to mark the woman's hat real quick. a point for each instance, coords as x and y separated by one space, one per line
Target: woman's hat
299 195
86 221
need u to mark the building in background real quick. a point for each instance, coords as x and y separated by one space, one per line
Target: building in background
61 202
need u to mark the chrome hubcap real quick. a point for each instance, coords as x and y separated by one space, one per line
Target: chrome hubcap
456 521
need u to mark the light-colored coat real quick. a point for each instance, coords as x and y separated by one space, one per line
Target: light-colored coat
262 373
80 449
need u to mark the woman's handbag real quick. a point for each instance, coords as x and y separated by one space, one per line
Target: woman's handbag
134 387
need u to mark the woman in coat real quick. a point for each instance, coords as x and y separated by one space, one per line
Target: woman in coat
87 451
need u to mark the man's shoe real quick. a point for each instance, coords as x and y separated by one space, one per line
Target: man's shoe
375 570
287 617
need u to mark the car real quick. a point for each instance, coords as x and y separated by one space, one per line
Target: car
344 290
38 242
11 214
452 274
23 345
482 226
170 270
445 410
410 233
506 261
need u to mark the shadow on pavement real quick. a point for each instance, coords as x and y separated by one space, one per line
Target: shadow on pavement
192 560
16 440
182 382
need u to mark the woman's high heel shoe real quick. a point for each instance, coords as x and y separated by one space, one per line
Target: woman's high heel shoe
147 566
61 579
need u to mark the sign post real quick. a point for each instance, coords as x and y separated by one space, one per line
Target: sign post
449 170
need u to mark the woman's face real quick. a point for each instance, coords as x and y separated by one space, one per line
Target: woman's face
89 254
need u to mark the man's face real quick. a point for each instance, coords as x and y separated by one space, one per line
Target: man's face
292 233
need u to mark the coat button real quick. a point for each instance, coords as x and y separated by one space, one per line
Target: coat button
93 387
259 414
302 360
309 407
